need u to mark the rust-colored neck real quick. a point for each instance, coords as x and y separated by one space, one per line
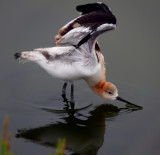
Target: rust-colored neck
99 87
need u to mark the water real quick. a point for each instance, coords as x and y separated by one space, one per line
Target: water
32 98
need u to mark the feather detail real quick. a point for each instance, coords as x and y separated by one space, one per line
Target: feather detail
96 18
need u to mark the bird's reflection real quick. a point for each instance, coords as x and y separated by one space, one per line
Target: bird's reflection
83 136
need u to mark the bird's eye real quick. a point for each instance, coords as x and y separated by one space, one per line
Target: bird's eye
110 93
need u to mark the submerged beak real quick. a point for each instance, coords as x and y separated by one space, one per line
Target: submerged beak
123 100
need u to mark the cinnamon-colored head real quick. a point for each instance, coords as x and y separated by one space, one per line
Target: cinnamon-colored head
106 90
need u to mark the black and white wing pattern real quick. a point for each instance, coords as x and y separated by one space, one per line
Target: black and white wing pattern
95 19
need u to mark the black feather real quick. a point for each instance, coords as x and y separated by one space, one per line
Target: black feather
17 55
93 7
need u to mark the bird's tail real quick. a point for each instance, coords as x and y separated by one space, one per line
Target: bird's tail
23 55
28 55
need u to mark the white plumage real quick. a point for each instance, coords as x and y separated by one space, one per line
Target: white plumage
77 55
74 36
67 63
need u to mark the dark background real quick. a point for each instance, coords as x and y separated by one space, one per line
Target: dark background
132 56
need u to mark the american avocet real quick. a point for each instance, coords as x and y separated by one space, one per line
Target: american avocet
77 55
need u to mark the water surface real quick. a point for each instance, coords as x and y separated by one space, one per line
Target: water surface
33 100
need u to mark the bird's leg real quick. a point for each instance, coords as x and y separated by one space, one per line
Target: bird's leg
72 102
64 90
64 95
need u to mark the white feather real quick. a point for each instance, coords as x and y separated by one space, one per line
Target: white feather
74 36
66 63
105 27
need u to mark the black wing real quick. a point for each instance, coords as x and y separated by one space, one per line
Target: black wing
93 7
96 18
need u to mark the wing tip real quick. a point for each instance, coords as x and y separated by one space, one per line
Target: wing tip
91 7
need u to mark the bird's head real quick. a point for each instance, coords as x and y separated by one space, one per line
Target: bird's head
109 91
106 90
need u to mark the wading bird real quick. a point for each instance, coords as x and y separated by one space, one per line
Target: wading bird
77 54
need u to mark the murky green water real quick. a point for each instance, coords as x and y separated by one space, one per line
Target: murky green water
33 100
